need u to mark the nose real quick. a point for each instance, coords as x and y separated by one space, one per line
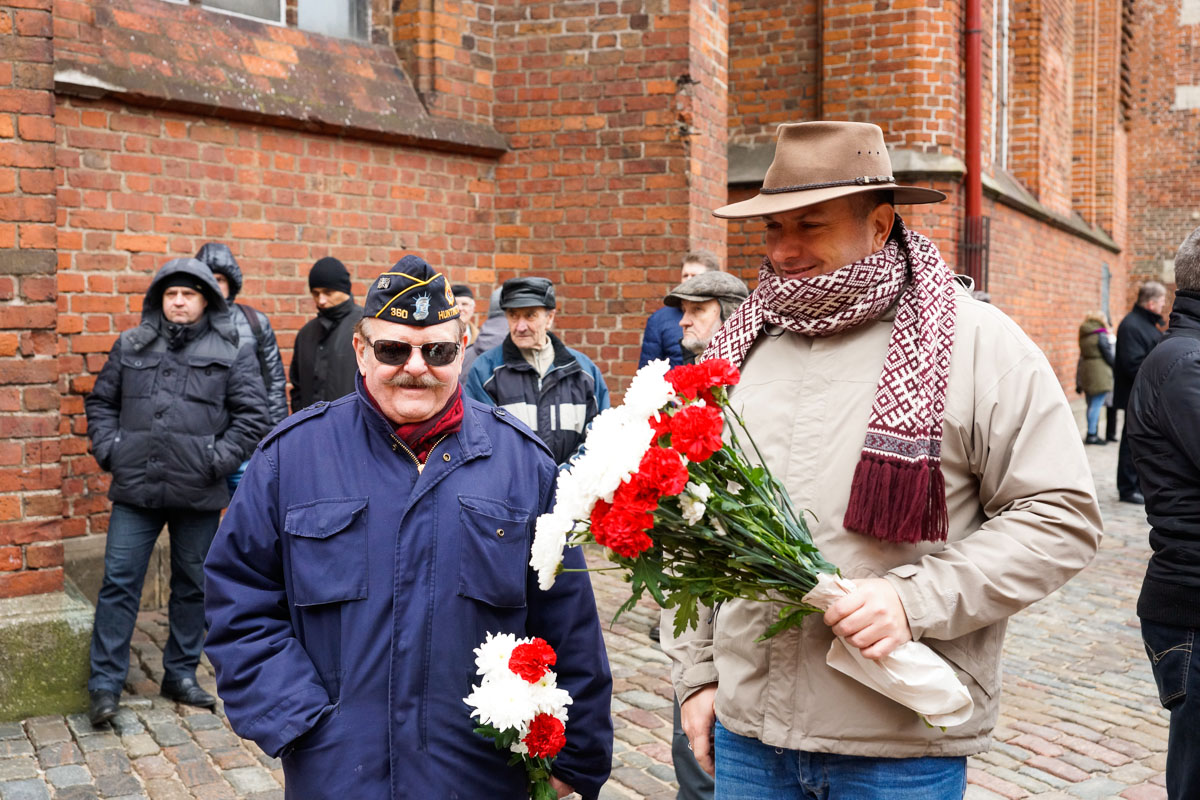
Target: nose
416 363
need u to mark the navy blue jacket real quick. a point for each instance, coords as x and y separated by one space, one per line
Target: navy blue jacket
346 592
558 406
662 337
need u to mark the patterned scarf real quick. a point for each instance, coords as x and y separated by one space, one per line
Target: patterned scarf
898 493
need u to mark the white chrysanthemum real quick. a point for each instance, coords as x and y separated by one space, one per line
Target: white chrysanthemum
649 390
492 656
549 539
693 502
549 700
503 702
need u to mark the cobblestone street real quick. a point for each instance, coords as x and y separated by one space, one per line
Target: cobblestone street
1079 718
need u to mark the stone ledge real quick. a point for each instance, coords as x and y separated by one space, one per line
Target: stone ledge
748 165
183 58
44 640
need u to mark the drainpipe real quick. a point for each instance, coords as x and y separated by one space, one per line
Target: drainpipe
973 224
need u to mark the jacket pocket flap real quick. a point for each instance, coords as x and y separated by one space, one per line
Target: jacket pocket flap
203 362
140 360
495 552
977 654
323 518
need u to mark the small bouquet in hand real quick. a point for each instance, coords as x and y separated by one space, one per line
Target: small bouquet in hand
520 707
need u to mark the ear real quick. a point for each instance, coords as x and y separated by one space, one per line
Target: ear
882 220
549 318
360 353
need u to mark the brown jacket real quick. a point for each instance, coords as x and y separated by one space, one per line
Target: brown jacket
1023 520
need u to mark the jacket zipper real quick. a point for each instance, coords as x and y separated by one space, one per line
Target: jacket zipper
397 442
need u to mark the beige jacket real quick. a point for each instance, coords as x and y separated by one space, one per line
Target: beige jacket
1023 520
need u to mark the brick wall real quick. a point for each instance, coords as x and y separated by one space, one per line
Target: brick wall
31 554
774 66
609 112
137 187
1163 139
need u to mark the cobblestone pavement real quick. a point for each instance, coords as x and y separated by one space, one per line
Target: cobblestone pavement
1079 718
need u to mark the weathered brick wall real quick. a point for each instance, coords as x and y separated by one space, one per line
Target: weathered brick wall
137 187
31 554
774 63
448 51
1164 136
606 128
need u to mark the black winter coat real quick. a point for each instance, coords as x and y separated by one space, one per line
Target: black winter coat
171 423
1136 337
1163 425
323 362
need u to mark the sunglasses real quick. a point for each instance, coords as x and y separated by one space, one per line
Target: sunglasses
396 354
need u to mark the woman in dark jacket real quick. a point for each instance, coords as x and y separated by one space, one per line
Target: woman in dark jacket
1095 375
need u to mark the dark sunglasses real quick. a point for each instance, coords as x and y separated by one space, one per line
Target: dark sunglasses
396 354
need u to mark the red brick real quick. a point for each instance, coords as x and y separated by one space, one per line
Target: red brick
29 582
41 555
10 559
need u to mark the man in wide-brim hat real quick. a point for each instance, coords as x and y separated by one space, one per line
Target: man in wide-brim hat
942 465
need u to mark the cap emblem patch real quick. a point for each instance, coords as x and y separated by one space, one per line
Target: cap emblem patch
421 307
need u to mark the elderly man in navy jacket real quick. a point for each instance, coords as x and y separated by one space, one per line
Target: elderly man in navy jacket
373 544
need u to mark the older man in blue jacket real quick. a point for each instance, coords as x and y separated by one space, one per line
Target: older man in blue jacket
373 544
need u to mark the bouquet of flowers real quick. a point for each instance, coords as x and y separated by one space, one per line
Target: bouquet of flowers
694 522
519 705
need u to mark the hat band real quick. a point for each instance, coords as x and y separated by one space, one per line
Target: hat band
866 180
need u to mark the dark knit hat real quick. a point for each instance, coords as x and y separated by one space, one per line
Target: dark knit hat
411 293
462 290
182 279
527 293
329 273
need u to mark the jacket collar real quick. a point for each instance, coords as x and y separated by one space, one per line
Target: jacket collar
1148 314
513 357
1185 311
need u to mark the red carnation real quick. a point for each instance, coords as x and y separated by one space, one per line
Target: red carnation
624 531
531 661
696 431
637 493
661 423
599 511
662 469
721 373
688 379
546 736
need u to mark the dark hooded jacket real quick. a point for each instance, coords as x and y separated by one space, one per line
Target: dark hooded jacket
252 325
323 362
1137 335
177 407
1164 436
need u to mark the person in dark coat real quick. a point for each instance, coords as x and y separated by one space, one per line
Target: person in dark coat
660 339
374 542
555 390
177 407
251 325
323 365
1094 374
1137 335
1162 425
491 333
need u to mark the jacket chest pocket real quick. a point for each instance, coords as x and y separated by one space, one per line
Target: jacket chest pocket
495 552
328 543
137 374
206 380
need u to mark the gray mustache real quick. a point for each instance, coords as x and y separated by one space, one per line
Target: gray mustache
415 381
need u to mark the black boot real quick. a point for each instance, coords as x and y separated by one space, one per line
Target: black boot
102 708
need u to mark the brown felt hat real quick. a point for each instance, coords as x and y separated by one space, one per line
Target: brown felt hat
819 161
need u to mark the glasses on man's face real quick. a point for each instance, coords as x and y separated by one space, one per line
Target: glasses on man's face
396 354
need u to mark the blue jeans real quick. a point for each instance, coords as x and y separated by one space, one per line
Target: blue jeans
1095 402
132 531
1176 667
747 769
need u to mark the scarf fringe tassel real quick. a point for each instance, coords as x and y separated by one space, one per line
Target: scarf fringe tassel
898 501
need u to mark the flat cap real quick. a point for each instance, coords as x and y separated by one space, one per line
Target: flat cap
411 293
708 286
527 293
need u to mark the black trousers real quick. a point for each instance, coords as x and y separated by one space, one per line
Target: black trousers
1127 479
1110 423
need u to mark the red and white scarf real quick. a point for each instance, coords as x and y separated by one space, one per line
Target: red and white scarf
898 493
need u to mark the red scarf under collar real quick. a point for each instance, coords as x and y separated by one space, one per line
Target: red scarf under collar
422 436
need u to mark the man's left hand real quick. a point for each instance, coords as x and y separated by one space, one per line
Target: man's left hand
560 787
871 618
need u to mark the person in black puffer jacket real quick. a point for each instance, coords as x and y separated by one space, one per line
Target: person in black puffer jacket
1137 335
323 361
251 325
177 407
1162 424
